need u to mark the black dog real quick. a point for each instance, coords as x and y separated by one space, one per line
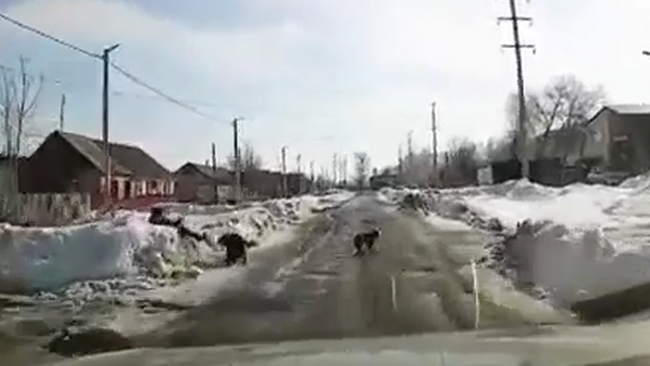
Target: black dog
236 248
366 239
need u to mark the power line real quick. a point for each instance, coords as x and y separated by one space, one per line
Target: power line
120 93
48 36
117 93
127 74
157 96
158 92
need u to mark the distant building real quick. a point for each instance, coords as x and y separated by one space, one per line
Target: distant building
620 137
68 162
379 181
199 183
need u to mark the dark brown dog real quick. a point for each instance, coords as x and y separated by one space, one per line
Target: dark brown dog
366 239
236 248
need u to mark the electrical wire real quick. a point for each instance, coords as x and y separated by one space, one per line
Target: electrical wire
121 70
161 94
48 36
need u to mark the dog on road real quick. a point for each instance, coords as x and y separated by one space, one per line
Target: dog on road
236 248
365 239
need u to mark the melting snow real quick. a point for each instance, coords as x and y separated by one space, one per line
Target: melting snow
128 247
598 239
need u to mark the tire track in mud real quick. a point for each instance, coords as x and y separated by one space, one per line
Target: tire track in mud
314 288
258 307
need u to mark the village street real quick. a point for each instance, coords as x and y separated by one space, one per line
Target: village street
313 287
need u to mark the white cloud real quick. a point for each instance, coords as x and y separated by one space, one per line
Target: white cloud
226 55
373 64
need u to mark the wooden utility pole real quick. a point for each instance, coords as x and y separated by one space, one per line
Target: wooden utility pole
324 177
62 113
520 141
335 159
236 152
409 157
434 145
107 153
344 170
312 176
283 152
299 170
214 172
400 164
298 163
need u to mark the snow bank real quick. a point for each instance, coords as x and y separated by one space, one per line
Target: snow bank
587 240
127 246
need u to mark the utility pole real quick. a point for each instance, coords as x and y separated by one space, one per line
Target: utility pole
325 177
344 170
434 145
400 164
214 172
298 162
107 153
334 172
235 131
311 175
299 170
521 143
409 157
62 113
284 171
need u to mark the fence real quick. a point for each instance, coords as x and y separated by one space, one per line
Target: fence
46 209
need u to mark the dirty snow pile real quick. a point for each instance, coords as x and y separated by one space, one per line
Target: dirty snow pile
128 248
576 242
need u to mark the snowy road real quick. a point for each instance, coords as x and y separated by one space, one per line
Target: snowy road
313 288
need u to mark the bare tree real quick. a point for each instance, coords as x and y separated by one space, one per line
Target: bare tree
250 160
461 162
500 148
361 168
19 94
565 102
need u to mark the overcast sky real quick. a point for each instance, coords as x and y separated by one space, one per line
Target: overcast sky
321 76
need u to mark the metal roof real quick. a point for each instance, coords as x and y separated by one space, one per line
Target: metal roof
630 108
125 159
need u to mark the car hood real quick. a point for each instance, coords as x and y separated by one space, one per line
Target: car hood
539 346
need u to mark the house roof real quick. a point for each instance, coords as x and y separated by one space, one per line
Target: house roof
125 159
629 108
221 174
622 109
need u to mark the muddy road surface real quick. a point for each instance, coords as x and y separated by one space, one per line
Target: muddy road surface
313 287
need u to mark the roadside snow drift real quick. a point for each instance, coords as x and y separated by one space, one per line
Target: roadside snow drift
579 241
127 246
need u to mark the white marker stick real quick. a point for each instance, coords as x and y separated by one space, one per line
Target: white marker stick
393 292
477 304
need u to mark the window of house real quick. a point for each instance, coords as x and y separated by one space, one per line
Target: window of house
152 187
